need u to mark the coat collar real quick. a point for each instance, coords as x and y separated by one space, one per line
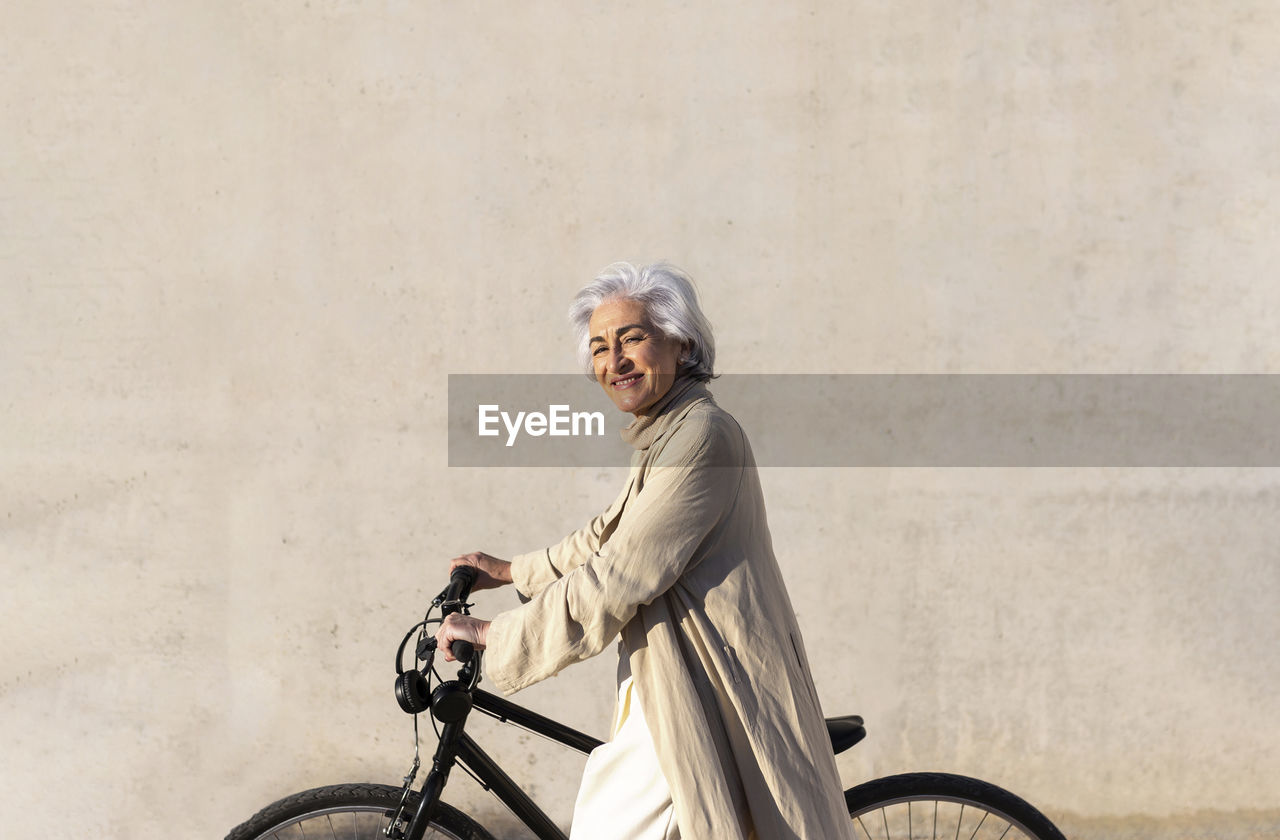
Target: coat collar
644 430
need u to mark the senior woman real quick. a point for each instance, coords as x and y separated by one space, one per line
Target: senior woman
718 734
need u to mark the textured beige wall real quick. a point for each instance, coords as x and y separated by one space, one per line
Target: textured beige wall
244 243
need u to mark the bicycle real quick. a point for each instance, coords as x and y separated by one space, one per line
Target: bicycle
906 806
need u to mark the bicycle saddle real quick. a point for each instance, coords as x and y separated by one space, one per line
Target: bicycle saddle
845 732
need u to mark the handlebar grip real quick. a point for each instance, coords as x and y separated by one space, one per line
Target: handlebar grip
460 582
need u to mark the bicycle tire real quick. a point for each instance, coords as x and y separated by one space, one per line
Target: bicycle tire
349 812
913 806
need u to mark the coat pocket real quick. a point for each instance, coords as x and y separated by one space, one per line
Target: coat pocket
805 676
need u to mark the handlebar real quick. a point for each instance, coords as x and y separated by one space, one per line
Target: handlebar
454 599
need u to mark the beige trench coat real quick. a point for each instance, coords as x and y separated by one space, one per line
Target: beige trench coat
682 566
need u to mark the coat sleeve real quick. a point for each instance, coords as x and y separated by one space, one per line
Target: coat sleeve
691 485
533 572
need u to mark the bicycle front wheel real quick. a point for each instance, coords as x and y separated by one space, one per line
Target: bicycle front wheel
349 812
938 806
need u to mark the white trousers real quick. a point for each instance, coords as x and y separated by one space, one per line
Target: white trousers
624 795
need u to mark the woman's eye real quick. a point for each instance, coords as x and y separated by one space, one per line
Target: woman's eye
598 350
631 339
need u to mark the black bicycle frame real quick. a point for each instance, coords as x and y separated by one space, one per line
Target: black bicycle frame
456 745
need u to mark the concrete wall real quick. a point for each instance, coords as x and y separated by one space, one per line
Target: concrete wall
244 243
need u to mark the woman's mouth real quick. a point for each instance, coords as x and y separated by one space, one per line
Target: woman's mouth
624 382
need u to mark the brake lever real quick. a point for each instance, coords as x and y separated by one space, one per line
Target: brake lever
449 607
427 644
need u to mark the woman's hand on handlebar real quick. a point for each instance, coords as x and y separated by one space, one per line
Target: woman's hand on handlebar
493 572
458 626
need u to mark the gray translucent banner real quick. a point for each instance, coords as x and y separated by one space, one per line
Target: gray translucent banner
895 420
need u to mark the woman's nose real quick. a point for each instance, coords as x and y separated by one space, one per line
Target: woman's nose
618 360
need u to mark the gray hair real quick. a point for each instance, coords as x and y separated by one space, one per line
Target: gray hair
669 301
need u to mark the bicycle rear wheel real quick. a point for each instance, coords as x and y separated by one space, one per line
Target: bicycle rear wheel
349 812
934 806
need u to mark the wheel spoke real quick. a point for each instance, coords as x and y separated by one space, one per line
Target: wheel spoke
985 814
900 815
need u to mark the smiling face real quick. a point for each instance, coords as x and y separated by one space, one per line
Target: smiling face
634 363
